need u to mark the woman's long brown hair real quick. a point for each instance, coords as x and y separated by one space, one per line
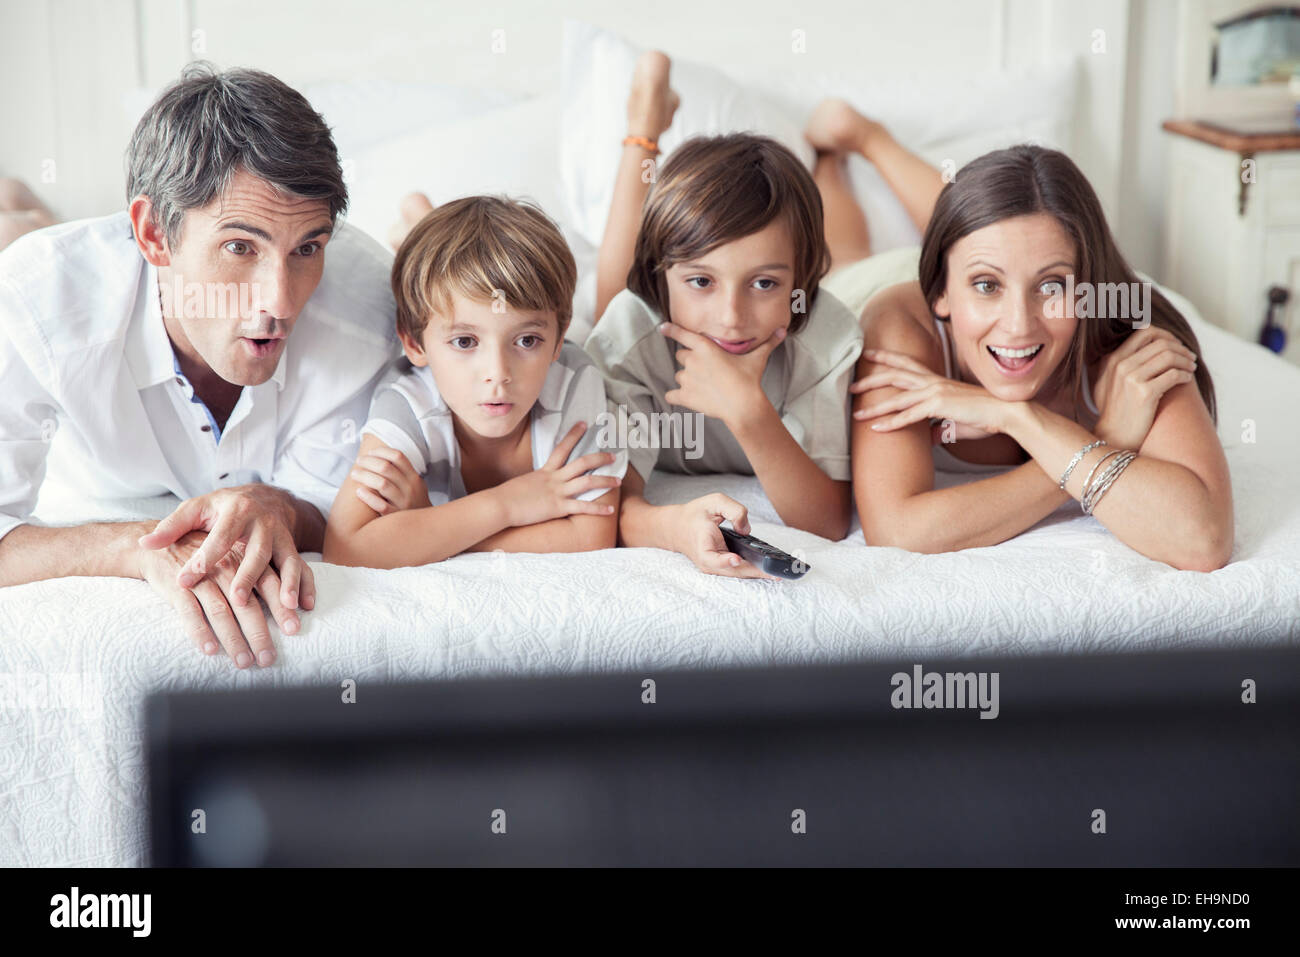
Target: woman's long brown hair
1024 180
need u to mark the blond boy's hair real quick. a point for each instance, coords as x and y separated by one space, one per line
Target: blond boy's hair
484 248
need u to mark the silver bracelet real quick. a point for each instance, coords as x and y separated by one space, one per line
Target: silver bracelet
1107 479
1088 478
1090 488
1095 494
1078 457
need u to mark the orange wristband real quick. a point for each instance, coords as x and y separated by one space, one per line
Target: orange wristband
641 141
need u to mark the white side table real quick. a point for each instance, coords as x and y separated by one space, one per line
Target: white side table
1233 227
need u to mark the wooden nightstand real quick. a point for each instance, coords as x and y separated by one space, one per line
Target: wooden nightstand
1233 227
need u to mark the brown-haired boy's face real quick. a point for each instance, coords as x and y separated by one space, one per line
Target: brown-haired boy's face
489 362
737 294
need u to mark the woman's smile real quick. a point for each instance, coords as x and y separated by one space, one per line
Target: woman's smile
1015 363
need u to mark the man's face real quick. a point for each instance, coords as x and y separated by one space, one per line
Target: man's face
490 365
247 263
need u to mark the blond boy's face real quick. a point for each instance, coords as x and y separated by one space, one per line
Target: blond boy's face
738 294
489 361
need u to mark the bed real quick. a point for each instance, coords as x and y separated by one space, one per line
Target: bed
78 656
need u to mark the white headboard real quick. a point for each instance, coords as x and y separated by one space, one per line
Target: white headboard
66 67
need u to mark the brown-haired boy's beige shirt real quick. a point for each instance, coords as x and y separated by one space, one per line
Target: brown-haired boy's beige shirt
807 381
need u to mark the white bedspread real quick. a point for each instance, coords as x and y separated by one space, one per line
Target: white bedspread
77 656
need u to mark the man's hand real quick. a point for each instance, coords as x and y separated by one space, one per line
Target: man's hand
207 611
713 381
259 517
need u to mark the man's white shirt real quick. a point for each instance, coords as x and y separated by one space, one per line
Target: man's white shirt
84 355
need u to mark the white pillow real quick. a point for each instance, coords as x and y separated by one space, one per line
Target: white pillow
597 78
511 151
366 111
939 116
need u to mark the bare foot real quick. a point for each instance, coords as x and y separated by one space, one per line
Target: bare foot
836 127
15 197
413 208
20 211
652 102
20 222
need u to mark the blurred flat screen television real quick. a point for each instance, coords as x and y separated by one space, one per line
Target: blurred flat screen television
797 766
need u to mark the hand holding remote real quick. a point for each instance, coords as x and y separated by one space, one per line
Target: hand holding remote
700 539
773 561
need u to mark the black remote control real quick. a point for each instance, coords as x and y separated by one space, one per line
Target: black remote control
767 558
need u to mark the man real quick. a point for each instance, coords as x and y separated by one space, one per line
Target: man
157 343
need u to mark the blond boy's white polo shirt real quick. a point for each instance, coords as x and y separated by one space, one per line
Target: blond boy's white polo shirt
87 366
409 414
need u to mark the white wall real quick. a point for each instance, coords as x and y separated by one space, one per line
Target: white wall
66 66
1149 101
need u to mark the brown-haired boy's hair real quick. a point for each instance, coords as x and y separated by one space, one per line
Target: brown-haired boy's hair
716 189
483 247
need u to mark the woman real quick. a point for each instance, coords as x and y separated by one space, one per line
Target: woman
987 350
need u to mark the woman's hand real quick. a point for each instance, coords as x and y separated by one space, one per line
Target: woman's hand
927 395
696 535
713 381
551 491
1132 381
387 481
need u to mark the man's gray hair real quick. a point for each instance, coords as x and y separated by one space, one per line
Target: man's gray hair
210 123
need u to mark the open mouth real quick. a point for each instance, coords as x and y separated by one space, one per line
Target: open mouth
734 346
496 408
261 348
1015 361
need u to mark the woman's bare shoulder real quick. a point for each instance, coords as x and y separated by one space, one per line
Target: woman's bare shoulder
898 318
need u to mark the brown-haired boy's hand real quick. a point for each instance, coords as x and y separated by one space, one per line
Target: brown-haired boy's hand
697 536
713 381
388 482
551 491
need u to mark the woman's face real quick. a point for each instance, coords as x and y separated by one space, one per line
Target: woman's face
739 293
1000 281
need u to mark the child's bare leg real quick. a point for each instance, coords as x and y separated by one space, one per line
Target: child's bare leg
835 126
20 211
413 208
847 236
16 197
650 109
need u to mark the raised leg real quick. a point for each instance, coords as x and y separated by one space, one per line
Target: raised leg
412 209
20 211
847 235
835 127
650 108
